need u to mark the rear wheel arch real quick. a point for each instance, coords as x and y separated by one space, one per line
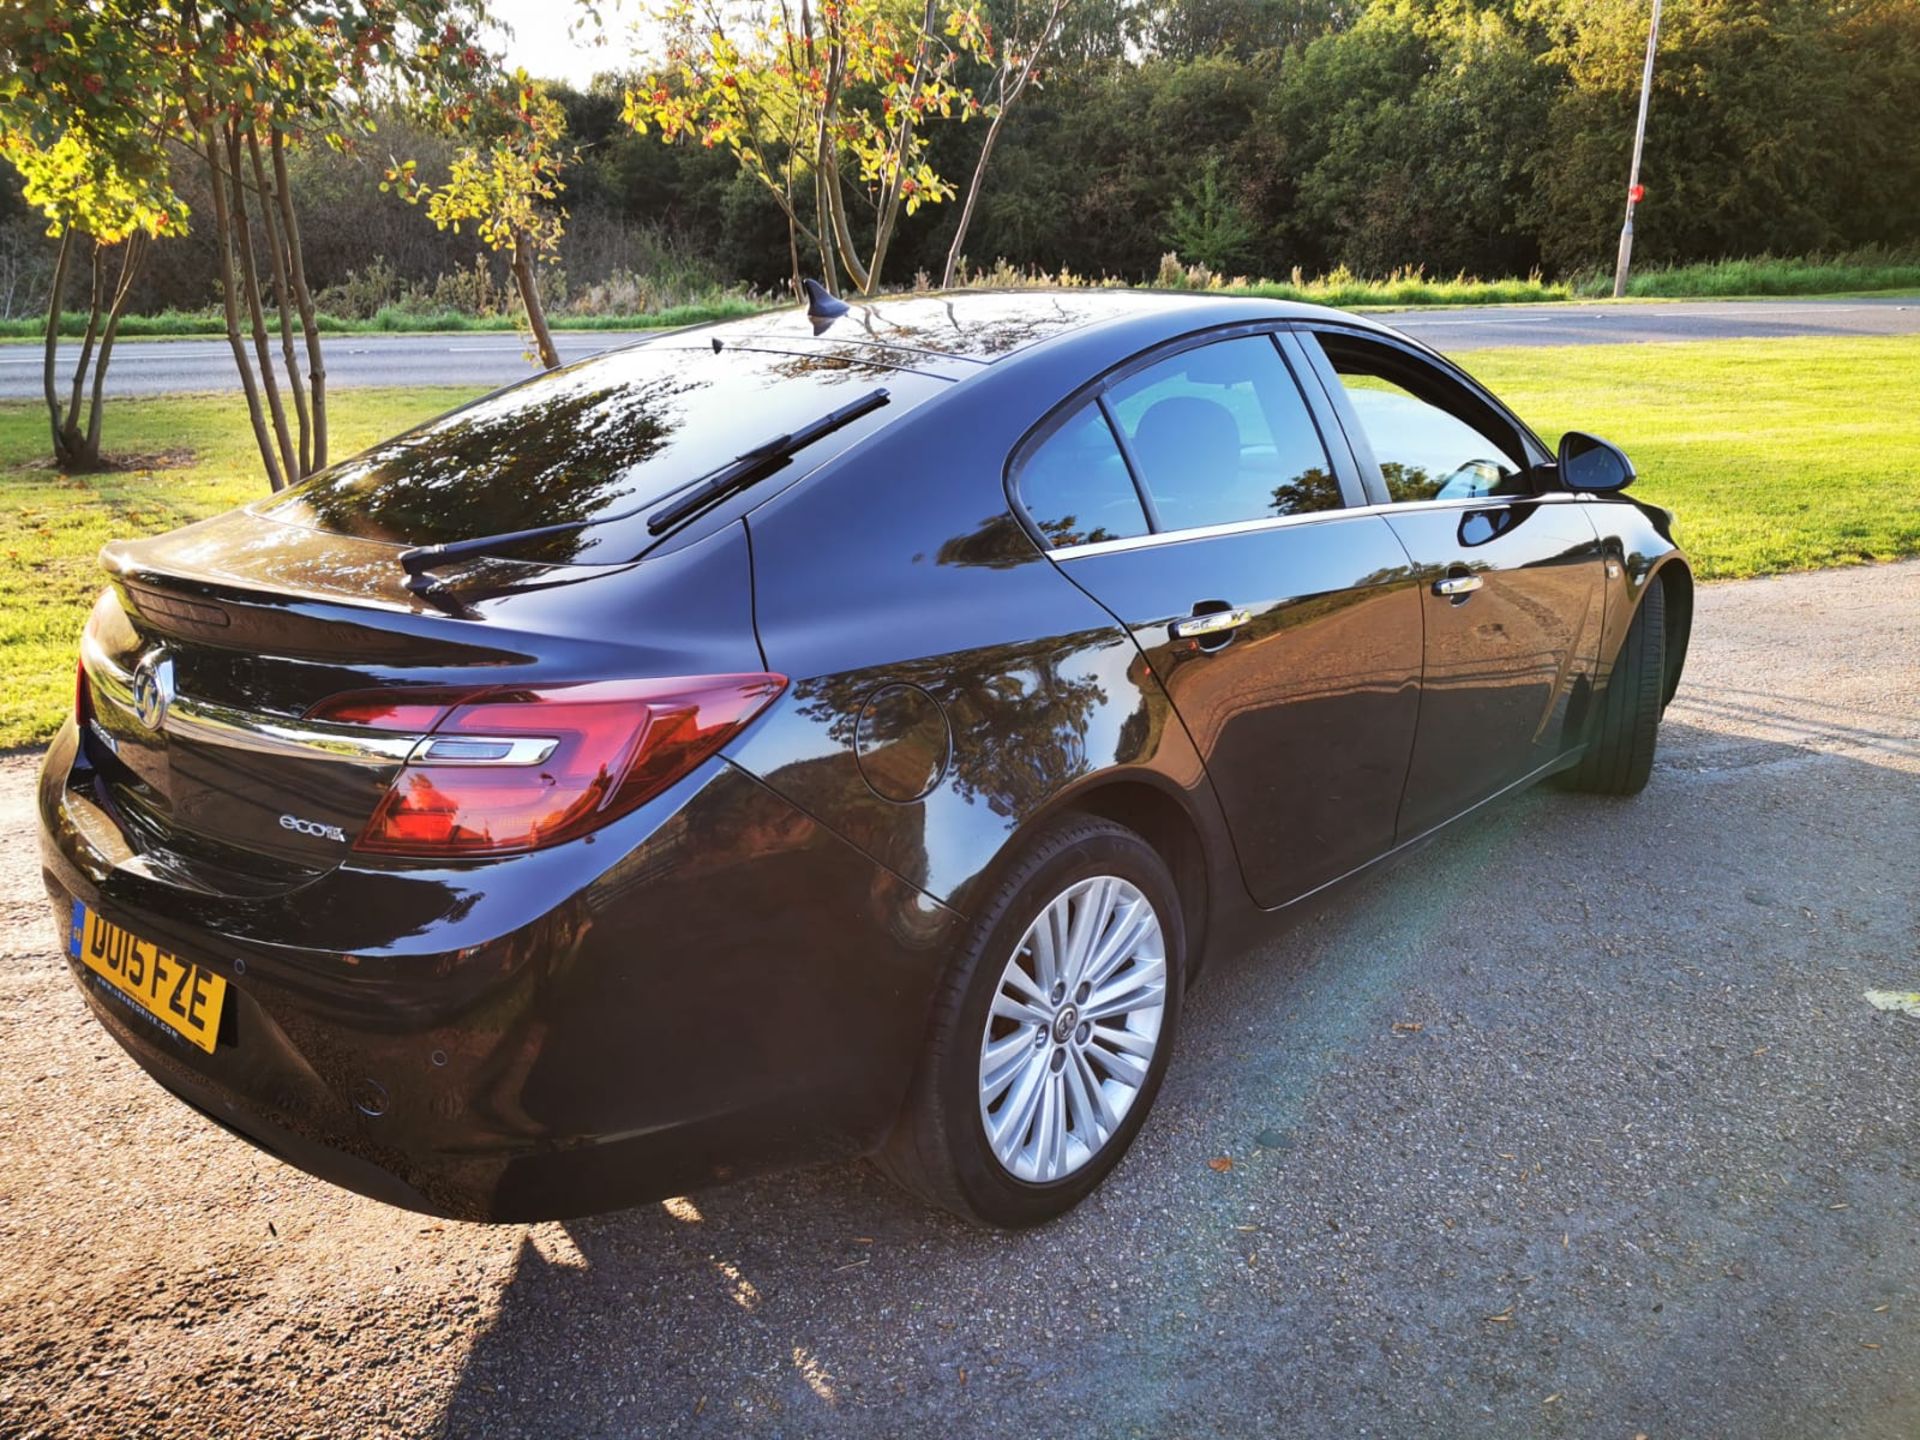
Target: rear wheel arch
1150 810
1169 827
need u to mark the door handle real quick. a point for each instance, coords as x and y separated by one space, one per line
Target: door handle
1458 587
1214 622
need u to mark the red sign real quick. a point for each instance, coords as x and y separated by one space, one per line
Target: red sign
1637 193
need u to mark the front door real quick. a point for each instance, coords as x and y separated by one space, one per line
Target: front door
1509 575
1195 500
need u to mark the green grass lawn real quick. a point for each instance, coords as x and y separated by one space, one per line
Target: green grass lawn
1777 455
52 527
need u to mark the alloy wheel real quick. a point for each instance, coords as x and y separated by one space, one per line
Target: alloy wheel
1072 1030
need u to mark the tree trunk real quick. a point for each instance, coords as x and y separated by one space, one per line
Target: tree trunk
954 250
52 344
303 297
70 430
1009 97
529 283
889 214
793 250
130 264
829 261
230 307
250 288
282 301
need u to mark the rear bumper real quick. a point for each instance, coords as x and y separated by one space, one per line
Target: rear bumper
711 986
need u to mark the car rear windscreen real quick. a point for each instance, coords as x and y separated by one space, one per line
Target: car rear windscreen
595 439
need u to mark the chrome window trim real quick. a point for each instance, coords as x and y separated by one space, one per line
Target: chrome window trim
1314 517
211 723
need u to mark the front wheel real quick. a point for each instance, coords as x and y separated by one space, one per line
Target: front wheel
1050 1034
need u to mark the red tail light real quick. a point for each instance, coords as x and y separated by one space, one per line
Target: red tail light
508 770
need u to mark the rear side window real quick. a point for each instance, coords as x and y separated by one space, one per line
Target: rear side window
612 434
1221 434
1076 487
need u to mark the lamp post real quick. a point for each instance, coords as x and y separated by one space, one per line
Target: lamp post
1634 189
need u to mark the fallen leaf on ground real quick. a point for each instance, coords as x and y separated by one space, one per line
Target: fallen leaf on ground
1222 1163
1905 1002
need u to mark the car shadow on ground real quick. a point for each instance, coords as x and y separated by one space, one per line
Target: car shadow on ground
825 1301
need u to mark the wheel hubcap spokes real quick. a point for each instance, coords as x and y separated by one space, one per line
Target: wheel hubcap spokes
1072 1029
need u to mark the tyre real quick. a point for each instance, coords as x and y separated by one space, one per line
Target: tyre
1050 1034
1619 757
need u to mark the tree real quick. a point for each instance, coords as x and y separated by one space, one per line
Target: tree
819 102
1031 30
1406 141
1782 125
103 96
79 123
507 188
260 77
1207 224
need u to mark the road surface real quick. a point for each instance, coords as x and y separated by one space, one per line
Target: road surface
174 366
1576 1124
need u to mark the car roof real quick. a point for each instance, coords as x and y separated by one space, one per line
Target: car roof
955 333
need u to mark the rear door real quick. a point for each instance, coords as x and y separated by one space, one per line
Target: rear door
1509 574
1194 497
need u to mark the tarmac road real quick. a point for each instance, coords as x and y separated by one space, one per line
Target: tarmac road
1576 1123
173 366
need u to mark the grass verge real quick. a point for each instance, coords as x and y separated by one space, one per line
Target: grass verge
1858 273
1861 272
390 321
1776 455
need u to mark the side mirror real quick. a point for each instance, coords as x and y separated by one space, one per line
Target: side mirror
1589 463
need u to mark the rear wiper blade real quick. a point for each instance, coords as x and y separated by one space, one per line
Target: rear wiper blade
696 495
759 462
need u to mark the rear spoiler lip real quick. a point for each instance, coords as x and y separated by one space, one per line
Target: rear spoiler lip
135 563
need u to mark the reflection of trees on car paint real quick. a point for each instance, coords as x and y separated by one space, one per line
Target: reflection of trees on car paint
1019 717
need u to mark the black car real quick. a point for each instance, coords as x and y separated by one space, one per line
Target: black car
818 735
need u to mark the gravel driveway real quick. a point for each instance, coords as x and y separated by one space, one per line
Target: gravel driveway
1577 1123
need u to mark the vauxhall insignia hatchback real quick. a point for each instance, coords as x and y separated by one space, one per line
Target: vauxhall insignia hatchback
836 732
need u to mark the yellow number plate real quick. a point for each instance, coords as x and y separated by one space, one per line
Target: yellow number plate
182 996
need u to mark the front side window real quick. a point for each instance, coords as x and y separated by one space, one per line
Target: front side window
1076 487
1221 434
1423 431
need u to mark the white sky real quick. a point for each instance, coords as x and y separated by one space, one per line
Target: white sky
554 40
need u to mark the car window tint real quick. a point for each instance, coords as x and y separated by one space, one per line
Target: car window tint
1221 434
1076 488
592 440
1426 450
